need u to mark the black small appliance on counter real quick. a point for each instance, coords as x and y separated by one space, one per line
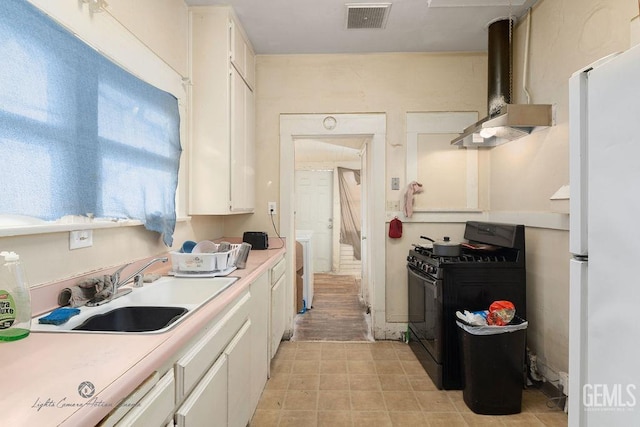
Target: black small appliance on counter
257 239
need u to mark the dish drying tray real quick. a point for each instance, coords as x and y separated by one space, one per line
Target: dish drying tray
218 263
216 273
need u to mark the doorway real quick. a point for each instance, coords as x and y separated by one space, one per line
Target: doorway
373 128
328 214
328 200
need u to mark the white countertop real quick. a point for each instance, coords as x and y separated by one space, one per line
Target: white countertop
41 373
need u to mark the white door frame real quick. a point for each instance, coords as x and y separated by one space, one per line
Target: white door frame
373 126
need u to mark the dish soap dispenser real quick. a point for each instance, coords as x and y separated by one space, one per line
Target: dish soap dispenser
15 299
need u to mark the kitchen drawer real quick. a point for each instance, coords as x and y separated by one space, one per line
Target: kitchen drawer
208 402
192 366
130 401
155 407
278 270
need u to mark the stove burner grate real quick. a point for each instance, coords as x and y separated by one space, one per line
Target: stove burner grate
466 257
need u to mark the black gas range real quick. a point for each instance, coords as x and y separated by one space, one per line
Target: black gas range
490 267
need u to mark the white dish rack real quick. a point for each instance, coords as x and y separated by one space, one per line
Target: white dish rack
205 262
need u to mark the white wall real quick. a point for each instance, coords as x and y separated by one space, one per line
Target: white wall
160 24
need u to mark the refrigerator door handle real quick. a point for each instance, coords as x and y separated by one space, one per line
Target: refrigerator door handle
578 329
578 155
578 163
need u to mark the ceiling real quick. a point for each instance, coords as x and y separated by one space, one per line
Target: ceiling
319 26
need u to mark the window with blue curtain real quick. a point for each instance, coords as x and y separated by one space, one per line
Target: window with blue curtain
78 134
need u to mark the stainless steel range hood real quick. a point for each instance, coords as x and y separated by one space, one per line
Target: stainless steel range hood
506 121
513 121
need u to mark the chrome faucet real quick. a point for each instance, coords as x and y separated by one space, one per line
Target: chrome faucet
115 277
116 283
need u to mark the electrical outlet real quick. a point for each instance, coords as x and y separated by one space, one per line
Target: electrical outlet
80 239
564 382
272 206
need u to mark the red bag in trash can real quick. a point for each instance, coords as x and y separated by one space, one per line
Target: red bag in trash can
500 313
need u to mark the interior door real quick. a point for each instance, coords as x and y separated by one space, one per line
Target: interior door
314 211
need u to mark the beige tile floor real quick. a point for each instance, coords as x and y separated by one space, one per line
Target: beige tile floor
372 384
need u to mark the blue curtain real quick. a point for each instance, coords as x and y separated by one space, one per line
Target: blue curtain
78 134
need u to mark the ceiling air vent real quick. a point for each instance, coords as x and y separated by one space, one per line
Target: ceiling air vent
367 15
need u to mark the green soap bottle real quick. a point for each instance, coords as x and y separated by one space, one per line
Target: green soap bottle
15 299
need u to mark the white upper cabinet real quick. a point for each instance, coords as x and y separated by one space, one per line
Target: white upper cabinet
242 148
222 134
242 56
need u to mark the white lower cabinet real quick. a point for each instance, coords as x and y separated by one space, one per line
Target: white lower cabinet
155 407
239 378
208 401
217 378
221 395
278 321
260 303
204 352
278 305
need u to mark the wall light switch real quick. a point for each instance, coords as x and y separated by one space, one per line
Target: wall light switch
80 239
395 183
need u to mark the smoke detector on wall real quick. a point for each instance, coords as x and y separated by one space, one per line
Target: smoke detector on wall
367 15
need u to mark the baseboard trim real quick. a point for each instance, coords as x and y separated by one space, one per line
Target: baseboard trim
553 394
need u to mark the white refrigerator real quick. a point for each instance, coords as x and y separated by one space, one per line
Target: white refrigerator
604 317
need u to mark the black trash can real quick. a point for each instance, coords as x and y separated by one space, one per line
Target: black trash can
493 366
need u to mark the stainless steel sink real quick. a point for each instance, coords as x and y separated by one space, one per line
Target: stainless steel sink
133 319
155 308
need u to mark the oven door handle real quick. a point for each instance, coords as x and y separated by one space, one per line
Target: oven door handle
428 281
